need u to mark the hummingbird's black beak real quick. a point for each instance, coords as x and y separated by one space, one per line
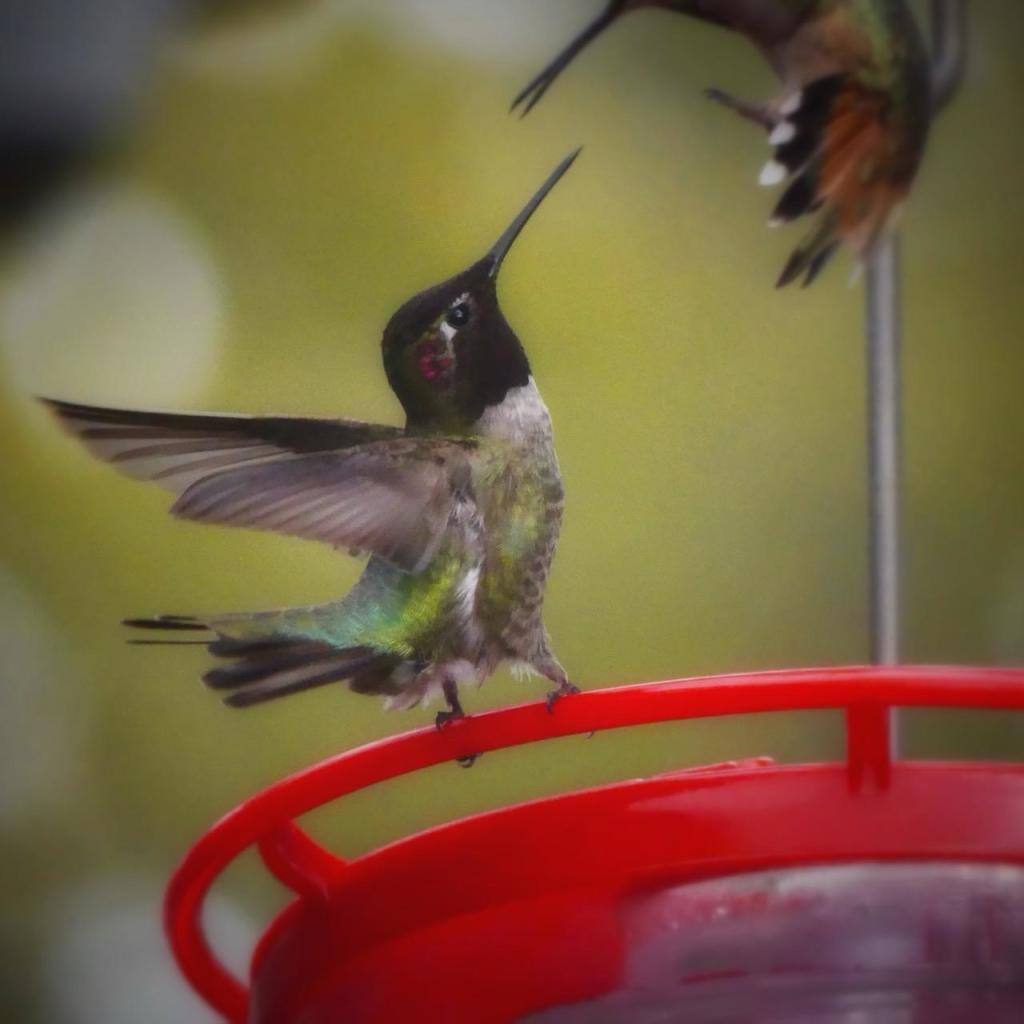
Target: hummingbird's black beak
531 95
500 249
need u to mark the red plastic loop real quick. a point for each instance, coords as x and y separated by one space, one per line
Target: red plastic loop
267 819
296 861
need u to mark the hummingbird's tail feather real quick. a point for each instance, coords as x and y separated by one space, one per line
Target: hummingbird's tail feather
847 156
268 670
186 623
810 257
266 655
170 643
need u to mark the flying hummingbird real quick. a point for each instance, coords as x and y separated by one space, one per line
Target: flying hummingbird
459 510
850 125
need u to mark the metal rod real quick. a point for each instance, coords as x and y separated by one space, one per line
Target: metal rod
949 50
884 329
884 342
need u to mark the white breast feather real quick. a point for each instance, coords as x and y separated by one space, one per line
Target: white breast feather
520 416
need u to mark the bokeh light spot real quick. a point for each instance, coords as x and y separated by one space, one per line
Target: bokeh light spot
114 295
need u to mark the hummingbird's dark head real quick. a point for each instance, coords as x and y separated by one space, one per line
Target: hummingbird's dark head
449 353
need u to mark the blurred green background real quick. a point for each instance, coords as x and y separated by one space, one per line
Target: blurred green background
290 178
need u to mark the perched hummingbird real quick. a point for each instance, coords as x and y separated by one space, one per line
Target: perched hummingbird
850 126
459 511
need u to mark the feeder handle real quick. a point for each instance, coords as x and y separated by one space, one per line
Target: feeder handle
267 819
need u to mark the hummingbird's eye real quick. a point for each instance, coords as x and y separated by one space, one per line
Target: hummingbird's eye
458 315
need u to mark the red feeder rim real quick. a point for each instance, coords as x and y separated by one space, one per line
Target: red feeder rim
267 819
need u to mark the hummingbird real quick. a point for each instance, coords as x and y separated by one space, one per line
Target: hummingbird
459 510
848 128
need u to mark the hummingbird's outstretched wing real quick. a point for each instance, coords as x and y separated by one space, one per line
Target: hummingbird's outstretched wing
390 498
354 485
176 449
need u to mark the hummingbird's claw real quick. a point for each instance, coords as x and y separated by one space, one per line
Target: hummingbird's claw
450 714
563 690
442 718
454 709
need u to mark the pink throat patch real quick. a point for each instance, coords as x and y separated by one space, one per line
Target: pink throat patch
434 361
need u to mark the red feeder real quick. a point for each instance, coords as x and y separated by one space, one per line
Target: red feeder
864 890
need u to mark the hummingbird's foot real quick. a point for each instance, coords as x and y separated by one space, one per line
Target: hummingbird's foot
564 689
454 710
442 718
756 112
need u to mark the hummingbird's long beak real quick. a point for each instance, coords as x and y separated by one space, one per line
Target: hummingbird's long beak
531 95
500 249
